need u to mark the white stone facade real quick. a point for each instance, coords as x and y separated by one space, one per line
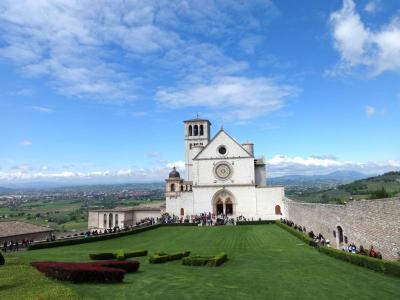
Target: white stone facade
121 217
222 176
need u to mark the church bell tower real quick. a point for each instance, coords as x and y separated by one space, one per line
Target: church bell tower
197 136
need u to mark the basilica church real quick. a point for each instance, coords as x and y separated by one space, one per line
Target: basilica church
222 176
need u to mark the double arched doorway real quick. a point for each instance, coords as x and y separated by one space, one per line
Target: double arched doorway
223 202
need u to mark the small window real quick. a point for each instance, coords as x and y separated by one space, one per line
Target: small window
222 150
190 130
201 129
116 220
196 130
172 187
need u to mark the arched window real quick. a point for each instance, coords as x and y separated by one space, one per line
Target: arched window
110 220
201 129
182 212
278 210
196 130
105 221
172 187
116 220
190 130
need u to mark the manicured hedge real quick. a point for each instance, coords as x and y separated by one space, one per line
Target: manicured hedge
178 224
80 272
384 266
136 253
161 257
259 222
82 240
305 238
129 266
2 260
210 261
101 256
118 255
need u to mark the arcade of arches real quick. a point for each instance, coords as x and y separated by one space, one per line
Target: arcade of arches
223 204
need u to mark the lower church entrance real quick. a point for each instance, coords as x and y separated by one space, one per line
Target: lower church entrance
223 203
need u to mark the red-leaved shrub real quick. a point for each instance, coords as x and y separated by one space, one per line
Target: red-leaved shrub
80 272
128 266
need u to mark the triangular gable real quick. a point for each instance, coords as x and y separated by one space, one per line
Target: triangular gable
234 149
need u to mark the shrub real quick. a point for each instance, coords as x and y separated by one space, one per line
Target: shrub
210 261
80 272
196 260
136 253
178 224
259 222
128 266
2 260
161 257
120 255
82 240
387 267
306 239
101 256
217 260
158 258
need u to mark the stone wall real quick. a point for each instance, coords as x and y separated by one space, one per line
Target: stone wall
364 222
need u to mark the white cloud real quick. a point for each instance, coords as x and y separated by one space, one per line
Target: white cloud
372 6
83 50
359 46
26 143
180 165
232 97
284 165
370 110
278 165
42 109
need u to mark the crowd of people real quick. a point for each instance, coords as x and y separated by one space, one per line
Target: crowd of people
320 240
202 219
15 245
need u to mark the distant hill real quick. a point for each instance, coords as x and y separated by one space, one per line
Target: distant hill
382 186
4 190
335 178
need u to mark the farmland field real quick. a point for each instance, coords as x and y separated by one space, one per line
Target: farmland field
265 262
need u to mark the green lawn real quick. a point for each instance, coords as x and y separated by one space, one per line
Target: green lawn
265 262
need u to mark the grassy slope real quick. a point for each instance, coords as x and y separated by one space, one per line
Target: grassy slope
264 262
19 281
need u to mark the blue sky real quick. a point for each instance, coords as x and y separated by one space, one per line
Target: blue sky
99 92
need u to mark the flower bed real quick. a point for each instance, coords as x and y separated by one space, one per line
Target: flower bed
161 257
210 261
100 272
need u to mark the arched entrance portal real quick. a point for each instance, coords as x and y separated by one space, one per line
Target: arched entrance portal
223 203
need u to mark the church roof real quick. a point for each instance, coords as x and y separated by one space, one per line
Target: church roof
218 133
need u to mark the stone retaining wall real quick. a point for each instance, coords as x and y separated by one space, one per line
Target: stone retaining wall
364 222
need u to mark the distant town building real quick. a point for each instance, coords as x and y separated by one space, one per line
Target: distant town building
222 177
17 231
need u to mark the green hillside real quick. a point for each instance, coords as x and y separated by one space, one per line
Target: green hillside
383 186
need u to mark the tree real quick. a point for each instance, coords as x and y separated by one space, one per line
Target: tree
379 194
